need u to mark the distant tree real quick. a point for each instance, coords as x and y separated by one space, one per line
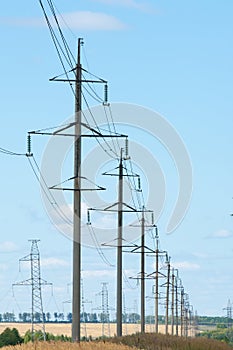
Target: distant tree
93 318
48 316
103 317
134 317
9 317
125 318
69 317
61 317
150 319
55 316
38 317
26 317
84 317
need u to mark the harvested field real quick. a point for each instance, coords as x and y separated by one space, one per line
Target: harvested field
92 329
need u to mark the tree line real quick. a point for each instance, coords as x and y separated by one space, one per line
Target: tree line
60 317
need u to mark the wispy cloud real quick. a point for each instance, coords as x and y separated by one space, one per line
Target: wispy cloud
138 5
186 265
54 263
200 255
98 273
7 247
3 267
81 20
221 234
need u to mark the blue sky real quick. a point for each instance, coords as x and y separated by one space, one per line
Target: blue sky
174 58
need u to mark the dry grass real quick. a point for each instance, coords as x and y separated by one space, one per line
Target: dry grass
68 346
164 342
137 341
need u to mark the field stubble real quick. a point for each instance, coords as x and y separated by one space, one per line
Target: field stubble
94 330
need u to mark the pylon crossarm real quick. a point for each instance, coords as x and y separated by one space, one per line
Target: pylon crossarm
97 188
156 274
139 276
145 249
45 283
23 283
127 245
26 258
64 128
59 132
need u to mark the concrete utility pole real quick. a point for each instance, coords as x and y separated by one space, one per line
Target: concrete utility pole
77 188
176 303
173 302
142 249
76 304
143 273
119 248
167 294
157 284
121 208
155 275
182 312
125 315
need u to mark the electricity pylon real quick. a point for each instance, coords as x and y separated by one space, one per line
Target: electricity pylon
229 313
156 275
120 207
35 281
79 126
142 274
104 308
167 293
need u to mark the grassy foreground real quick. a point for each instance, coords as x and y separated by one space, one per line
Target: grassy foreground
148 341
152 341
67 346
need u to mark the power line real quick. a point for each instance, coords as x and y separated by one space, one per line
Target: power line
51 199
10 153
97 246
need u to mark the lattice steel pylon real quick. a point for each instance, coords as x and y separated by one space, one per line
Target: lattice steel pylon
105 310
37 315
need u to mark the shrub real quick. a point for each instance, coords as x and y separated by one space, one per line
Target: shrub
10 337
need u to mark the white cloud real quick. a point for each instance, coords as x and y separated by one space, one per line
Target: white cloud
6 247
87 20
98 273
200 255
3 267
54 262
186 265
222 234
107 221
142 6
81 20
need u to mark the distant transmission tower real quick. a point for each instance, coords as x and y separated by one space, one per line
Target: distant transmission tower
105 310
37 316
229 314
83 318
